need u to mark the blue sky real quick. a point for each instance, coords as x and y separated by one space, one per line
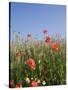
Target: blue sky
34 18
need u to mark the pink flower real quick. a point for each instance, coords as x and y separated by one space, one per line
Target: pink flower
54 46
31 63
33 84
48 39
18 85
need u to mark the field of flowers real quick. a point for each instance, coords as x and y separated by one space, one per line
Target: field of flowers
37 62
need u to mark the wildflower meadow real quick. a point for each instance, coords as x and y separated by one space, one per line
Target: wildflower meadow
36 62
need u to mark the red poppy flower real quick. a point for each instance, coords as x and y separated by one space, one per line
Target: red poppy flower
11 83
48 39
54 46
31 63
45 31
33 84
18 85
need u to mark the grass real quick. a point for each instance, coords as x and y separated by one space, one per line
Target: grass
50 65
